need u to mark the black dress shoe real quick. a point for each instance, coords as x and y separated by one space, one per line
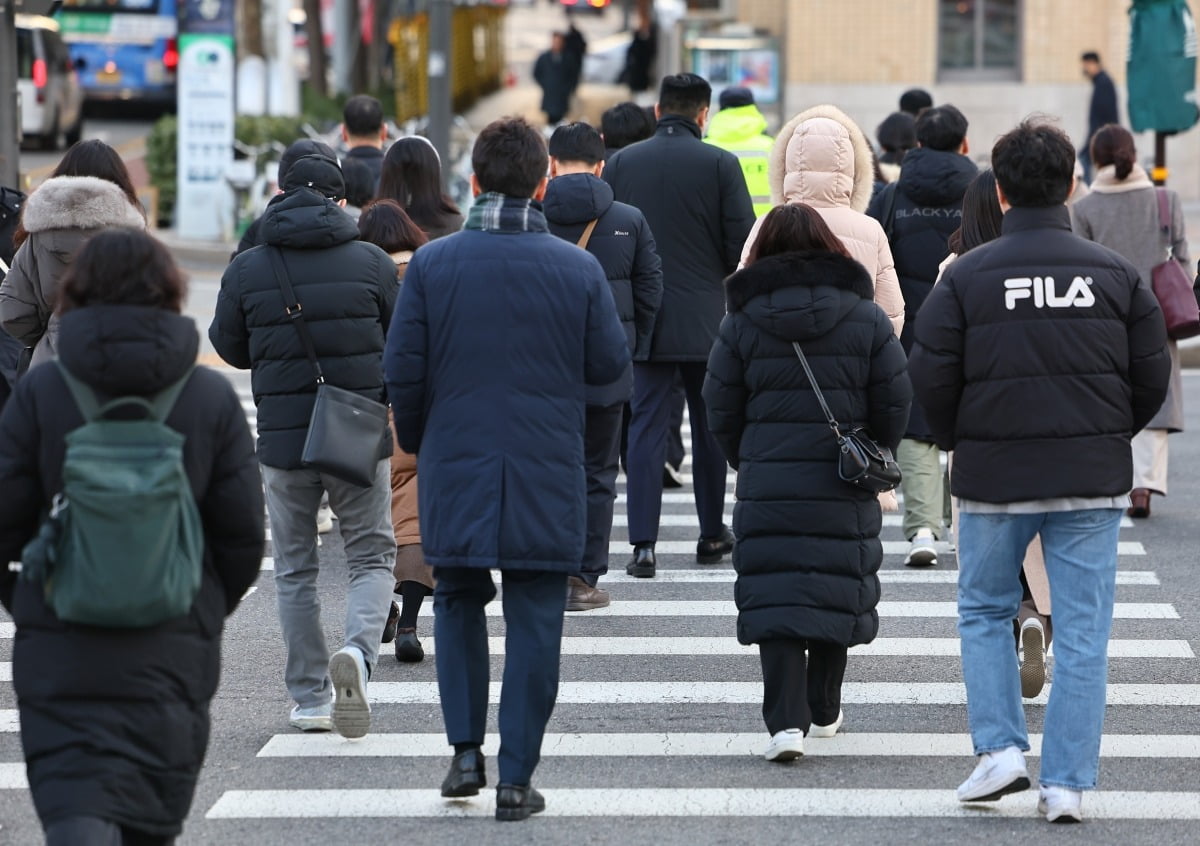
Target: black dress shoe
712 550
466 775
642 565
514 802
408 648
393 620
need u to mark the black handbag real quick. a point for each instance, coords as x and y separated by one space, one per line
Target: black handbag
346 429
862 461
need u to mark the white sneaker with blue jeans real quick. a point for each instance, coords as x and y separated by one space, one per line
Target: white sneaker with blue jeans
1081 562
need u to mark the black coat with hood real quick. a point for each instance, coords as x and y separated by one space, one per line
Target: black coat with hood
114 722
808 546
624 246
347 289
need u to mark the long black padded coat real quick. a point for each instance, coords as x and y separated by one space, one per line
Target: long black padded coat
808 546
115 722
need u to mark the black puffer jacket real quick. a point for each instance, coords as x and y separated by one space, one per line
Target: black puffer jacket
695 199
347 289
114 723
624 246
807 543
1037 357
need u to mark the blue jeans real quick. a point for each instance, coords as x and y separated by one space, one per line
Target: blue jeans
1081 562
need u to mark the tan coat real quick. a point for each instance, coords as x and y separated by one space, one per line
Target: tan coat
821 158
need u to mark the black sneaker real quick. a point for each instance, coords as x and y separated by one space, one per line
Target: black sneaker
642 566
712 550
393 620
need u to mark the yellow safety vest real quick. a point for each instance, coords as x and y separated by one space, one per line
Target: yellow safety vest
740 131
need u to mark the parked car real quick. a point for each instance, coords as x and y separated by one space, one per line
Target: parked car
51 96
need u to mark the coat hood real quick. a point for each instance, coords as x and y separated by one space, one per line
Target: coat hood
576 198
730 126
934 177
305 220
822 158
124 350
800 295
79 202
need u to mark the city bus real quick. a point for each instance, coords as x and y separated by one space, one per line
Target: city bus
123 49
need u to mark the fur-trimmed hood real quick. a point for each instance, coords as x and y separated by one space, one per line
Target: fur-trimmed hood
79 202
822 158
798 295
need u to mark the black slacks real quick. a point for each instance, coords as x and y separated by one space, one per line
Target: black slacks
800 691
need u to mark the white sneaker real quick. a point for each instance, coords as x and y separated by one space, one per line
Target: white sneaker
923 551
827 731
1033 657
787 745
324 520
318 718
1061 804
351 710
997 774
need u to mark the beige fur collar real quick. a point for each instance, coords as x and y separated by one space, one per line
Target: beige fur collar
863 176
1106 181
79 202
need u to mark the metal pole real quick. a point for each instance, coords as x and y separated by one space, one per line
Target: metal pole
1159 174
10 161
440 112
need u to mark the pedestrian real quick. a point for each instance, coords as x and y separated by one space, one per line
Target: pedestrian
364 134
388 227
1141 223
741 128
624 124
575 46
556 73
11 350
914 101
115 721
639 58
498 330
579 208
412 176
1102 109
345 289
696 202
808 543
295 151
896 136
822 159
1015 325
90 190
918 213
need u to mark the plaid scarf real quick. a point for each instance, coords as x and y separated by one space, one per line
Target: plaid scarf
494 212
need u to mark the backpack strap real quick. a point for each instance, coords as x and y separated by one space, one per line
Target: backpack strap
164 400
84 396
157 408
582 243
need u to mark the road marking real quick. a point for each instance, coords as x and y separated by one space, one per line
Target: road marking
726 608
690 520
750 693
10 721
8 631
689 802
5 671
12 777
249 592
717 575
688 547
267 564
706 745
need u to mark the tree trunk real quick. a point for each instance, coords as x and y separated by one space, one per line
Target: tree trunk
251 42
317 76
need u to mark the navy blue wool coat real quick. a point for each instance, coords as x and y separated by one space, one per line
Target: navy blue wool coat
494 338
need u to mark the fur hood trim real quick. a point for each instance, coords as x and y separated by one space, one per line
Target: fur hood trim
808 269
857 169
891 172
79 202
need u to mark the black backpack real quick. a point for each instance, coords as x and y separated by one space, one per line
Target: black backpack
11 201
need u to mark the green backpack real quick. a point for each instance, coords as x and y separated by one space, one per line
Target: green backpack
123 546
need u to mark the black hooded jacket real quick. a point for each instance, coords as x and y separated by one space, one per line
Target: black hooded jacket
624 246
114 722
808 545
347 289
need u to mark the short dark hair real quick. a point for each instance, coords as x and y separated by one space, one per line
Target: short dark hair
123 267
1034 164
941 128
794 227
915 100
684 94
625 124
981 215
510 158
362 116
577 142
1090 56
896 135
386 225
360 182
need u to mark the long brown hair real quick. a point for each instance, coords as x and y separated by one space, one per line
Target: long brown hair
123 267
386 225
791 228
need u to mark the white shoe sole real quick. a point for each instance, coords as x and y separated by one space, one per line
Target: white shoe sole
827 731
312 724
924 556
1060 815
784 753
997 787
351 711
1033 661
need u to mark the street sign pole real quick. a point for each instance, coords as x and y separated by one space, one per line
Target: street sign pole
440 16
10 161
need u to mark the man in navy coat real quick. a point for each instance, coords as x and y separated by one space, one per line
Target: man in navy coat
497 333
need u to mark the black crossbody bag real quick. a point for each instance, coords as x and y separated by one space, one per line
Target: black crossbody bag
345 429
862 461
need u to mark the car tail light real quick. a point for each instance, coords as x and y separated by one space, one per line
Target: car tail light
171 55
40 78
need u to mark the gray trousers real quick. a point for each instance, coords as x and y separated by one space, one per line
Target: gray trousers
365 522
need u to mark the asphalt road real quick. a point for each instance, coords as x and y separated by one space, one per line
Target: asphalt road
127 134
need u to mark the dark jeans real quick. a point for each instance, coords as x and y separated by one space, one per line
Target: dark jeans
94 831
534 602
652 397
796 692
601 447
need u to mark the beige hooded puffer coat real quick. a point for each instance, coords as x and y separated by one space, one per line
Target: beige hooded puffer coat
822 158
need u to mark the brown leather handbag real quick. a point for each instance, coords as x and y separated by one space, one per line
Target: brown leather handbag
1171 284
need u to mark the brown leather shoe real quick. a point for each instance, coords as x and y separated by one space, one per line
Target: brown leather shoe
583 597
1139 499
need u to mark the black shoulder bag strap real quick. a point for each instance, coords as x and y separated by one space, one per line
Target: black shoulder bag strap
812 380
888 216
294 311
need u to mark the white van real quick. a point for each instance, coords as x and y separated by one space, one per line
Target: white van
51 97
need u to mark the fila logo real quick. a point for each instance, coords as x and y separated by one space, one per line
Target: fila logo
1041 290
